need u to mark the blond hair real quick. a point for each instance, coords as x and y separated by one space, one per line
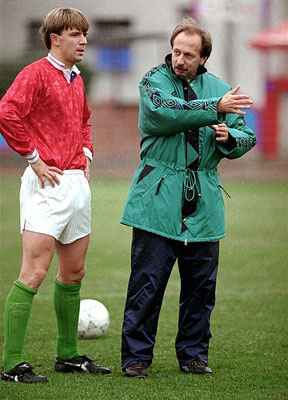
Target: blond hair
60 19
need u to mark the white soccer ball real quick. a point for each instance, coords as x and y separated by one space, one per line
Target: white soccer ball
93 319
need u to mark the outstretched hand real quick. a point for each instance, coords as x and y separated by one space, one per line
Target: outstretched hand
45 171
232 102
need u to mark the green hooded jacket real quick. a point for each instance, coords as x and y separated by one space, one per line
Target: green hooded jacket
176 191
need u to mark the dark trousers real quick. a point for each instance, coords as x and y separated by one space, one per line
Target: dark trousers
152 260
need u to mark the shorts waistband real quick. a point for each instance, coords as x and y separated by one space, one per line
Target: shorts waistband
65 171
73 171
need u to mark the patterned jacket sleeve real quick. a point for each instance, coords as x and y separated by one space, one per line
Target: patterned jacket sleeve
163 114
243 138
16 103
86 126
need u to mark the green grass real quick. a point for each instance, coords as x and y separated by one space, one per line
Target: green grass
248 351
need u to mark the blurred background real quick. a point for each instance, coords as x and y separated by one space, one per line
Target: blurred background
126 38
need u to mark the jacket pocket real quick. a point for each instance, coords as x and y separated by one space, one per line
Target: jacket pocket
145 171
148 178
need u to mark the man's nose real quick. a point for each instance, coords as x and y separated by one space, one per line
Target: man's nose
180 59
83 39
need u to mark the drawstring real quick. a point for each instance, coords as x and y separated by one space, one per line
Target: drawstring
191 185
225 191
191 188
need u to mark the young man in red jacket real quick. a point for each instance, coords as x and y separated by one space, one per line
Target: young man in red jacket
44 116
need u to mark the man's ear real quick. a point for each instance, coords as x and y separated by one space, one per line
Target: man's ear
54 39
203 60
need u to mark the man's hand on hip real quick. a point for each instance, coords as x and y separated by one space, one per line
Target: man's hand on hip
87 169
45 171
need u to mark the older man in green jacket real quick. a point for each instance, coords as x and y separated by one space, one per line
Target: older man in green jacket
188 120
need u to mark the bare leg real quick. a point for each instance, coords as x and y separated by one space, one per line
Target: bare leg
38 251
37 254
67 296
72 260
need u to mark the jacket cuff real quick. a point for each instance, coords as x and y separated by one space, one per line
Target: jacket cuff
88 153
32 158
230 144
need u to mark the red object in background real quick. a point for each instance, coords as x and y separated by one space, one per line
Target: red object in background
269 129
271 39
269 118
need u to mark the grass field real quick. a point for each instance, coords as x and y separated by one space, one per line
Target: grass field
248 351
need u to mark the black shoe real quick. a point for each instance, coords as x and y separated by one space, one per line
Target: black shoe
80 364
22 372
196 367
136 371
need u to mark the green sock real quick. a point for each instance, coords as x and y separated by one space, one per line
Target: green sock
17 314
67 305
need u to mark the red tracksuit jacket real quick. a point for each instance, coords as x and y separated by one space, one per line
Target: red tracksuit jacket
42 111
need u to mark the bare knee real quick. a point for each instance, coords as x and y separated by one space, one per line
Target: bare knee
79 275
32 277
71 276
38 251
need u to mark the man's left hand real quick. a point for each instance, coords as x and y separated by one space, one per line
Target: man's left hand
221 131
87 169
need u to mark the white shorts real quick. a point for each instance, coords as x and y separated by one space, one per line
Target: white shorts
63 212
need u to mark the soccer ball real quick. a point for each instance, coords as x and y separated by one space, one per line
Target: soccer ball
93 319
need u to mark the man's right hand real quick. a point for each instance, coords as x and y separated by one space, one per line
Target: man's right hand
233 103
44 171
